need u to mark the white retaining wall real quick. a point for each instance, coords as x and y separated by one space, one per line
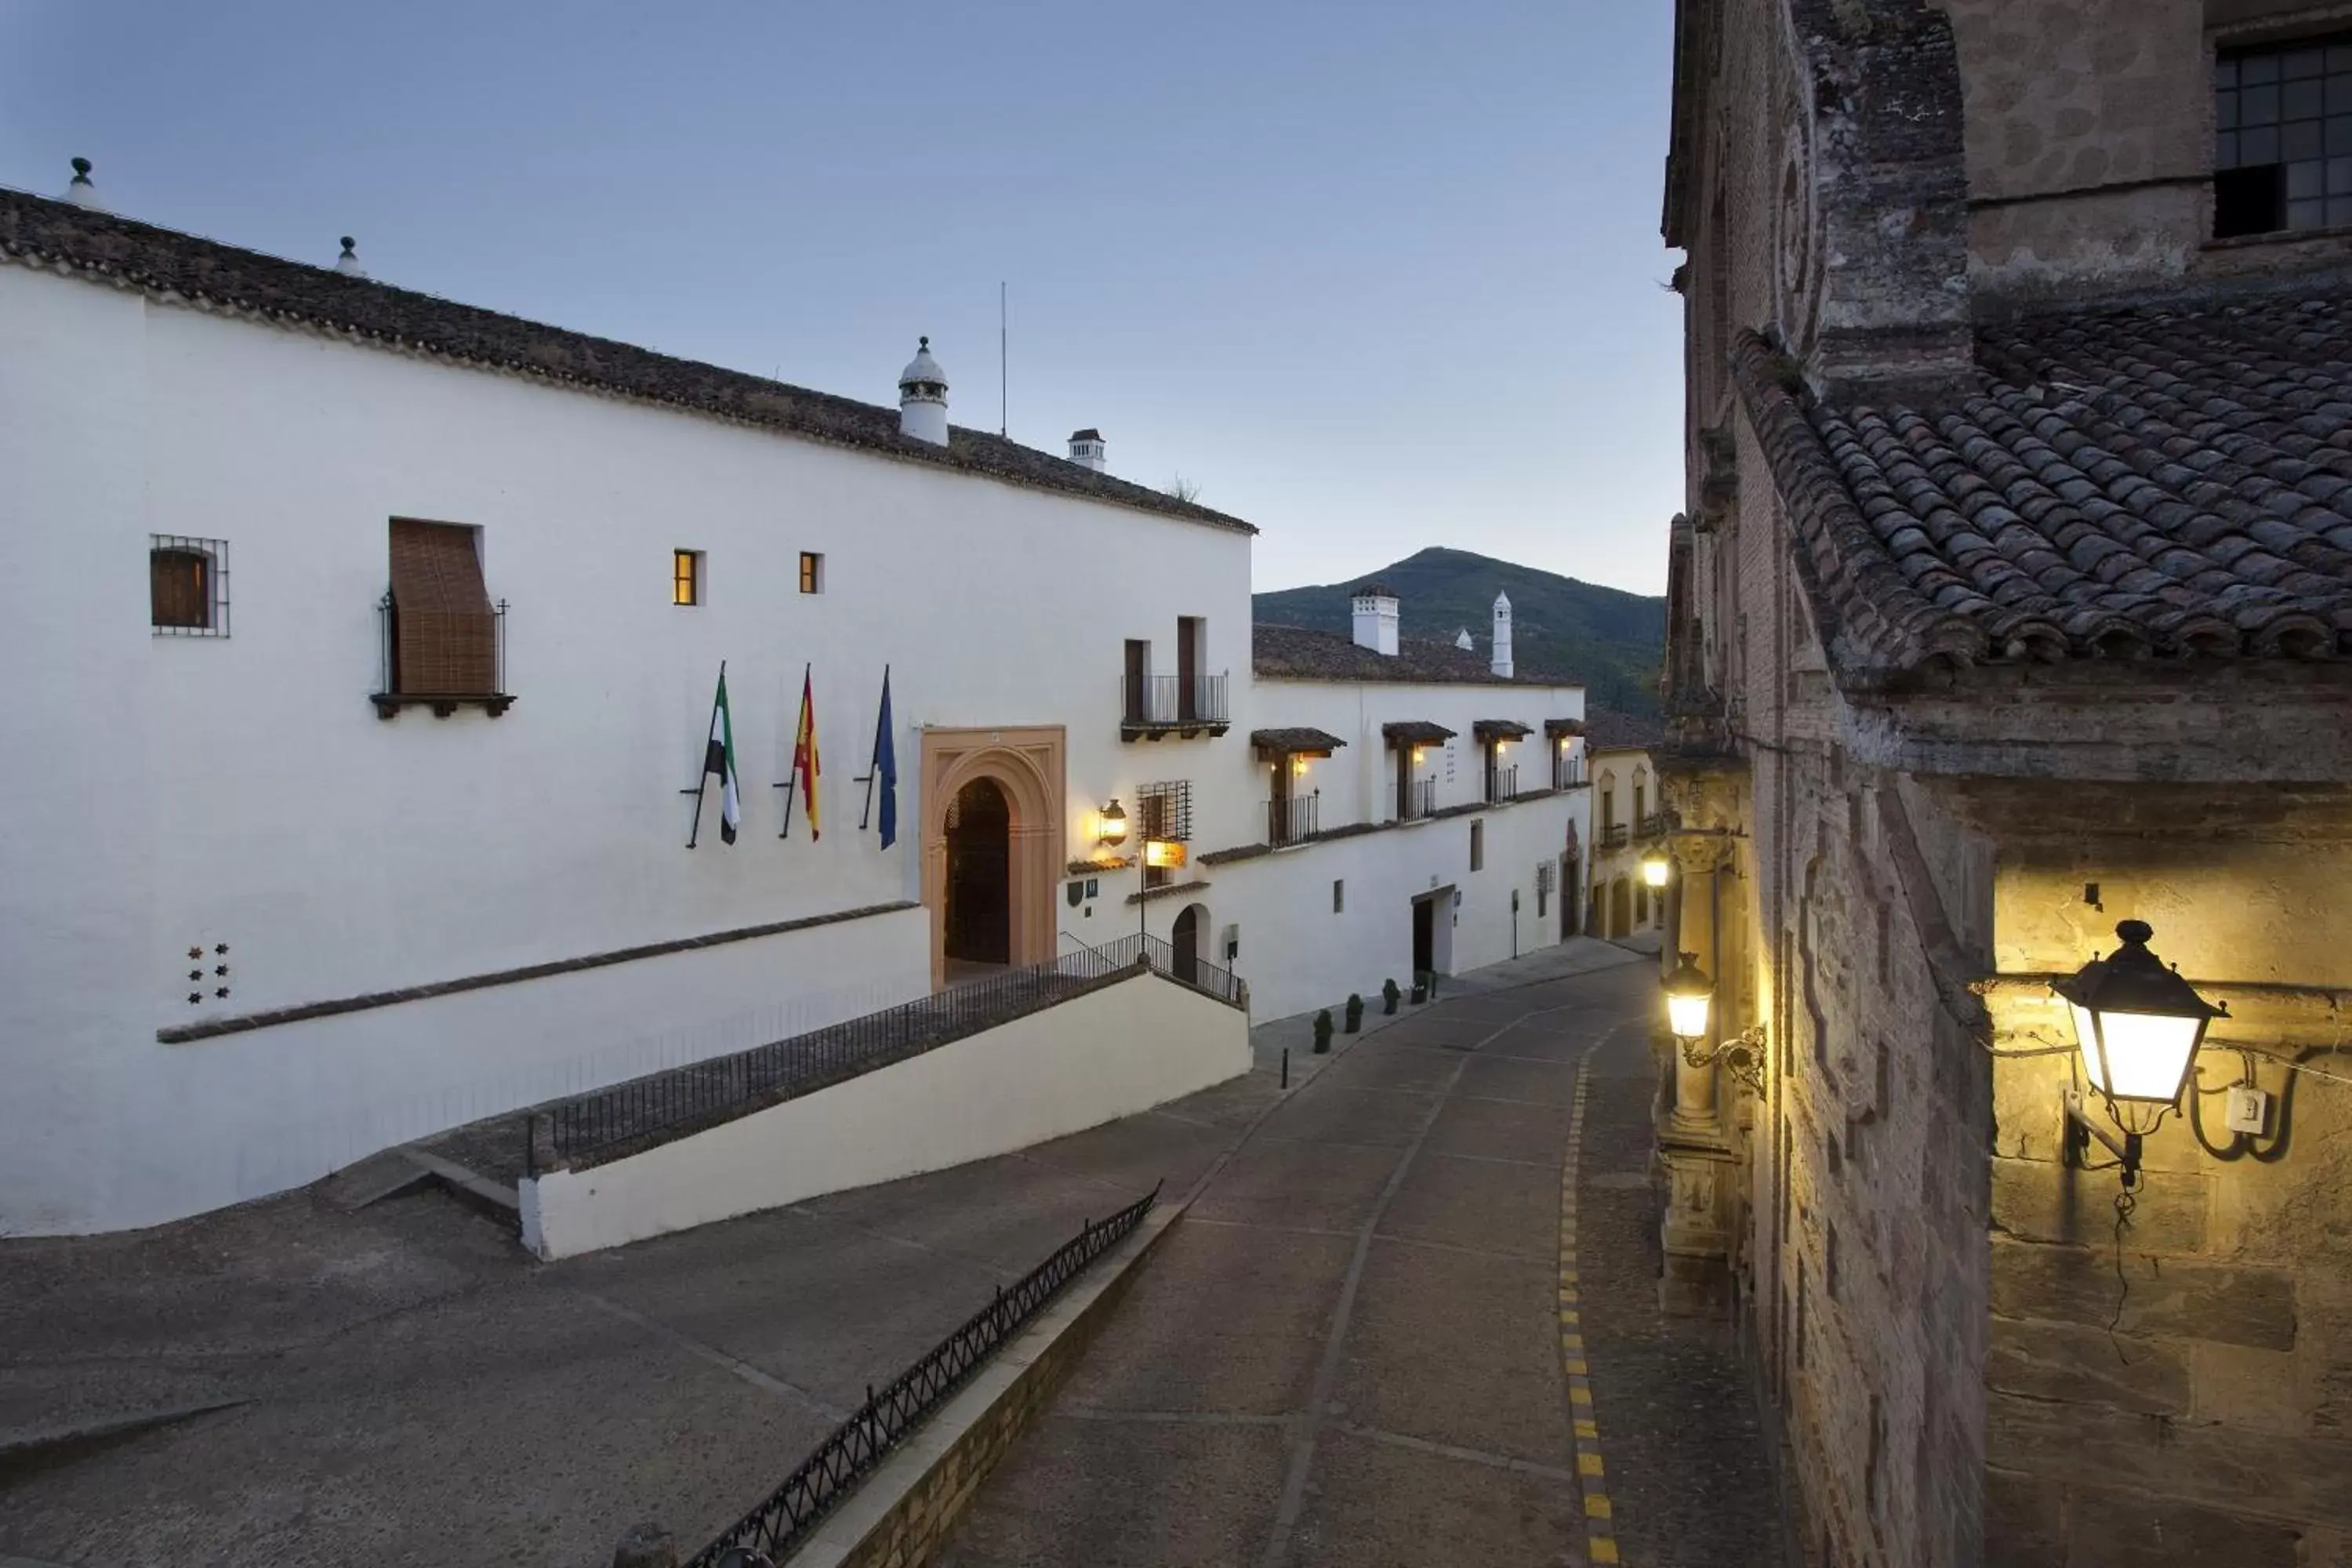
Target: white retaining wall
1113 1052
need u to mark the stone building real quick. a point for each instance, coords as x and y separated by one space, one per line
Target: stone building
2010 602
1627 813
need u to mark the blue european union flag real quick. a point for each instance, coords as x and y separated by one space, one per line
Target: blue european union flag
886 765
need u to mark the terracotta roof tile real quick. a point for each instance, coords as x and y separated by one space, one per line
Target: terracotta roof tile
2166 480
1294 653
1301 738
1607 730
166 262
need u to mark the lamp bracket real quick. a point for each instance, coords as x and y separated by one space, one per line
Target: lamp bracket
2080 1130
1742 1057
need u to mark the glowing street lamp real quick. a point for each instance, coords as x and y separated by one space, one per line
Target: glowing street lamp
1656 869
1690 996
2138 1025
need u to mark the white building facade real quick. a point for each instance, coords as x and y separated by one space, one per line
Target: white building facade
280 890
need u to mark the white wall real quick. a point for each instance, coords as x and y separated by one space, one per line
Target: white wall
1124 1048
164 792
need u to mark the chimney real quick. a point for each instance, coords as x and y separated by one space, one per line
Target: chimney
81 192
1086 449
923 397
348 263
1376 619
1501 662
1462 640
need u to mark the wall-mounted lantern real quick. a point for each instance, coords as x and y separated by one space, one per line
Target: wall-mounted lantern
1656 869
2138 1025
1690 1002
1110 825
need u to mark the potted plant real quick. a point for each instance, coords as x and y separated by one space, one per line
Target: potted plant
1388 994
1323 1032
1355 1012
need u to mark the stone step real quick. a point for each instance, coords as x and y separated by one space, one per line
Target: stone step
389 1174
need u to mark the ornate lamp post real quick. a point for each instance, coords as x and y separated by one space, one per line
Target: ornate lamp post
1690 1002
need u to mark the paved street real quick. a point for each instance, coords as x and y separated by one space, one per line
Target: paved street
404 1385
1350 1352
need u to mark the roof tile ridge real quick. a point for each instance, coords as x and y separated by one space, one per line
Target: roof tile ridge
1860 589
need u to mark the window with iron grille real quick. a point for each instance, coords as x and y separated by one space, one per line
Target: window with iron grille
2283 138
1167 812
1543 886
187 586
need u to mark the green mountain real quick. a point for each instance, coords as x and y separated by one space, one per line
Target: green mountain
1610 640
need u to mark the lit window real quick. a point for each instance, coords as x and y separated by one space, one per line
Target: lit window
187 586
2283 138
686 577
812 572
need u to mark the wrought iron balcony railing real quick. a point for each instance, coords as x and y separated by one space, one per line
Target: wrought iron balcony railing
1502 783
441 659
1613 836
1416 799
1157 705
1567 773
1292 821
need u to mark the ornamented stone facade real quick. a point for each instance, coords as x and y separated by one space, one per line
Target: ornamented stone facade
2013 600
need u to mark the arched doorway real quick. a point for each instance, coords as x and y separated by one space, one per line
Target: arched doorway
1185 938
1620 907
980 861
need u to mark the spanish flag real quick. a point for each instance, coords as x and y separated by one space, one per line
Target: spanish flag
805 766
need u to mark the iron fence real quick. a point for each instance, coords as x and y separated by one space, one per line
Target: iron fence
856 1448
1172 702
1568 772
1416 798
1502 783
1292 821
723 1087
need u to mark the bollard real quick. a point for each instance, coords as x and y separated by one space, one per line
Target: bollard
646 1546
1286 1067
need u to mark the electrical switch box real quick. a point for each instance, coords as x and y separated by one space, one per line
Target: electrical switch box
2249 1110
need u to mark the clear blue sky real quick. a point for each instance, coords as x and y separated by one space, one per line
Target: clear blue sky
1374 276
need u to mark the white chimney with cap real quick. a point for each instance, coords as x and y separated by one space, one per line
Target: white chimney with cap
923 397
81 192
1086 449
1376 619
1501 662
348 263
1462 640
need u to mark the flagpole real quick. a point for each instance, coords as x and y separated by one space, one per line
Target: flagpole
702 780
791 787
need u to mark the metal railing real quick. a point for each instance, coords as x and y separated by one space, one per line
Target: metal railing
1173 701
440 659
856 1448
1415 799
1651 825
685 1097
1293 821
1502 783
1567 773
1613 836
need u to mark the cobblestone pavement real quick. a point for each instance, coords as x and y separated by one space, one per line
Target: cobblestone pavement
1348 1352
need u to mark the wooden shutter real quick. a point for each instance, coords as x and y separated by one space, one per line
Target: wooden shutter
179 589
445 637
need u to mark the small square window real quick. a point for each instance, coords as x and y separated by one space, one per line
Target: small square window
187 586
812 572
685 576
1338 895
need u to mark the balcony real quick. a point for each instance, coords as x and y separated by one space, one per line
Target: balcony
1567 773
441 659
1155 706
1502 783
1613 836
1416 800
1293 821
1651 827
